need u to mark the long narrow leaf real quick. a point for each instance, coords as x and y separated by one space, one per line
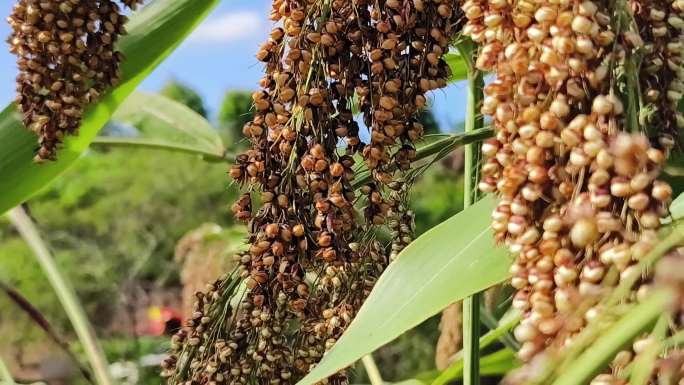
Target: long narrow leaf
438 149
158 144
65 294
153 34
451 261
158 119
497 363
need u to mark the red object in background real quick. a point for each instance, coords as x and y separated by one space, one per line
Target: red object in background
162 320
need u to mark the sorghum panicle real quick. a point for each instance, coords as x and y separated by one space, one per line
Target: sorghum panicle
312 258
578 194
67 58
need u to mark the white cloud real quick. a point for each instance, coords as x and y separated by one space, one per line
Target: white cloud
228 27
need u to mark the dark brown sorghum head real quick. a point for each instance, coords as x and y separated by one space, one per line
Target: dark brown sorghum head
316 60
67 58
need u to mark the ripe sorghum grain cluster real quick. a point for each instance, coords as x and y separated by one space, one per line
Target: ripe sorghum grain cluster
659 39
313 258
575 160
401 220
66 58
405 45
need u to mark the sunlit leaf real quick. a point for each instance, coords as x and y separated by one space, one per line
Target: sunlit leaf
677 207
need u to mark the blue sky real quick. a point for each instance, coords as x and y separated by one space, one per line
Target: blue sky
219 56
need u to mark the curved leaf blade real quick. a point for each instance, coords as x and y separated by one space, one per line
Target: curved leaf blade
66 295
446 264
158 144
158 118
435 146
154 33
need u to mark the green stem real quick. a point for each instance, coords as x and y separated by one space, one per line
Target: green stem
372 370
633 92
643 364
471 305
674 342
473 122
471 334
65 293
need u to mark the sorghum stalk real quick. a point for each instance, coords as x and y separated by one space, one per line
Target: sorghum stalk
471 305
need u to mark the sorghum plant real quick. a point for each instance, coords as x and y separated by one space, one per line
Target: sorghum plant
584 109
313 256
67 57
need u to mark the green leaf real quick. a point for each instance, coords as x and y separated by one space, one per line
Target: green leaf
166 124
459 68
412 381
455 370
498 363
494 364
65 293
677 207
5 374
154 33
449 262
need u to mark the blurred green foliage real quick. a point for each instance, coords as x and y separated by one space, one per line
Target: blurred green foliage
121 350
182 93
115 214
236 110
437 196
